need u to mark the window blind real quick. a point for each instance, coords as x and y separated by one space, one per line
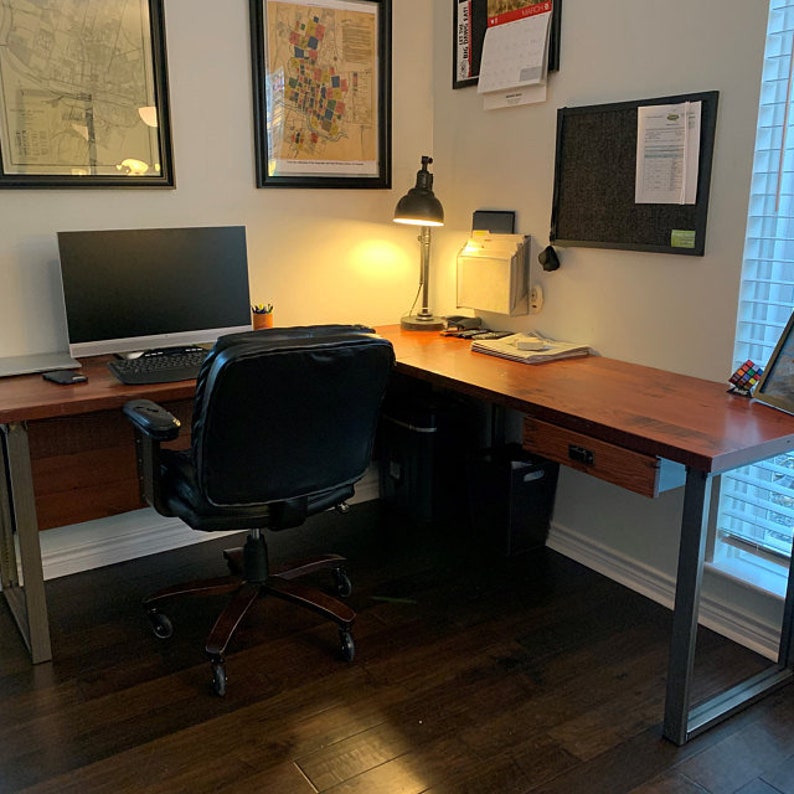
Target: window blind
756 509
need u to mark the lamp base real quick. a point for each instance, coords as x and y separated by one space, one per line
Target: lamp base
422 322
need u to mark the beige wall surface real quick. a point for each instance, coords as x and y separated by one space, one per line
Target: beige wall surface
317 255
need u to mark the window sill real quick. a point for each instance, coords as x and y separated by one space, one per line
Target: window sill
763 576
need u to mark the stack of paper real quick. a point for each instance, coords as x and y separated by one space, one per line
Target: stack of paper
511 347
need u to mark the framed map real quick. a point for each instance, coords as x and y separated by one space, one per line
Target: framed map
322 93
84 94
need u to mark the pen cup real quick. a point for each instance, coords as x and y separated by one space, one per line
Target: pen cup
262 320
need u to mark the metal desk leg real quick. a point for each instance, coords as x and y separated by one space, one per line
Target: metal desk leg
9 576
680 722
18 511
687 599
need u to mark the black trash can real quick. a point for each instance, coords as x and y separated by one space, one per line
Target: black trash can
511 497
422 443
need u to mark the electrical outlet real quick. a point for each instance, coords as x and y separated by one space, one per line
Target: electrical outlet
535 299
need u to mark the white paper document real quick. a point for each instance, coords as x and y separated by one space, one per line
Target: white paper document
514 54
668 153
515 96
511 347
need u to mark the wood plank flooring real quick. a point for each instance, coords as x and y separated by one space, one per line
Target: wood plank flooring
473 674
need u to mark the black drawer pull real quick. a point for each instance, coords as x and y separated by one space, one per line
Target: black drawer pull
581 454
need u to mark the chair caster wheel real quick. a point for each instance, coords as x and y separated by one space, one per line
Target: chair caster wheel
344 586
161 624
348 646
218 679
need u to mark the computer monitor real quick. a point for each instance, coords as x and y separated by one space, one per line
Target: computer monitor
132 290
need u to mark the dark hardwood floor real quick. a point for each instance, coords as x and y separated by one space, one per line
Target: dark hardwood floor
473 673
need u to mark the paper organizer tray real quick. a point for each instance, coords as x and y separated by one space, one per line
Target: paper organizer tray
493 273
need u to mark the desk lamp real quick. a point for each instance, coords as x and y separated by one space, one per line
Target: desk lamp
419 207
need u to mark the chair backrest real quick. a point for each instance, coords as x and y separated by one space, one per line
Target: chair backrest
287 412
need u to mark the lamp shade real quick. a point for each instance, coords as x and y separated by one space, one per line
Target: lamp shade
419 206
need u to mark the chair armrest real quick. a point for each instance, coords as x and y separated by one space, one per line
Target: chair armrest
152 420
153 425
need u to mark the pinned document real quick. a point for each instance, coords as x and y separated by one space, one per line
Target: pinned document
668 153
493 273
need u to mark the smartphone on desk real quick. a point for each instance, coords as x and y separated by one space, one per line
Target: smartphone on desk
64 377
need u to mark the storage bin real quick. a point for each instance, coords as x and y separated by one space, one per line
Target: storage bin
511 497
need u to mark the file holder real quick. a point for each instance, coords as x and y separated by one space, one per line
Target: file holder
493 273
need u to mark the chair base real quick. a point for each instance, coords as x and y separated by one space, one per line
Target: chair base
250 579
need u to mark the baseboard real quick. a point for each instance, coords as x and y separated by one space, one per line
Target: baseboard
741 627
94 544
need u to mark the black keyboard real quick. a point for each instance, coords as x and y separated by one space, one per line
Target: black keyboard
160 366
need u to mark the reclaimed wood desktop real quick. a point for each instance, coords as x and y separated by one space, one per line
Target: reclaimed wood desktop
68 455
582 412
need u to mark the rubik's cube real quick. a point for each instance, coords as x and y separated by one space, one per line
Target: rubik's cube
746 377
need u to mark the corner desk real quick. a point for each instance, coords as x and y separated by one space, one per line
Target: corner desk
68 455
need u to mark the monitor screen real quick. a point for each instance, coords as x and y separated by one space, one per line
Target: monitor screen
133 290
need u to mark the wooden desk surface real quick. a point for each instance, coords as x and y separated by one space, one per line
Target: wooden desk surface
29 397
82 450
684 419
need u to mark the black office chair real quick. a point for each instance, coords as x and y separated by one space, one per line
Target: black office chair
283 426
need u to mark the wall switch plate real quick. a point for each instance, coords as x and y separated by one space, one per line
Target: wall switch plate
535 299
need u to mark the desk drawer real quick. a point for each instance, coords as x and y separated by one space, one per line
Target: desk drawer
643 474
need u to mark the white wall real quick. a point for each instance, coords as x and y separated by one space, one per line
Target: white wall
318 255
667 311
675 312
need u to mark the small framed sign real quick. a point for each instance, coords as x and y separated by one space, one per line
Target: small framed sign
469 23
776 387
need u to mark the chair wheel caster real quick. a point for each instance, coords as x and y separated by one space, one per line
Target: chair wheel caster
161 624
344 586
348 646
219 678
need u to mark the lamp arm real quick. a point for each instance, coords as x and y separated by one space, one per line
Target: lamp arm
424 271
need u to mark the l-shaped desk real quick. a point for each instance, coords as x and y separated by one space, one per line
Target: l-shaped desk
69 456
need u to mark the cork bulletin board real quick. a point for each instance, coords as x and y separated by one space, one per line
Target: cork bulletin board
595 175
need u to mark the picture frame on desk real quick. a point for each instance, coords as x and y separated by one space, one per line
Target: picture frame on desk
776 387
74 115
322 93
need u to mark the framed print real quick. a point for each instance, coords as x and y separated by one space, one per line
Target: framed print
469 23
776 387
322 93
84 94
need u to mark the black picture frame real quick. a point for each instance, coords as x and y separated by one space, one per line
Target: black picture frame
111 129
469 23
776 387
297 147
